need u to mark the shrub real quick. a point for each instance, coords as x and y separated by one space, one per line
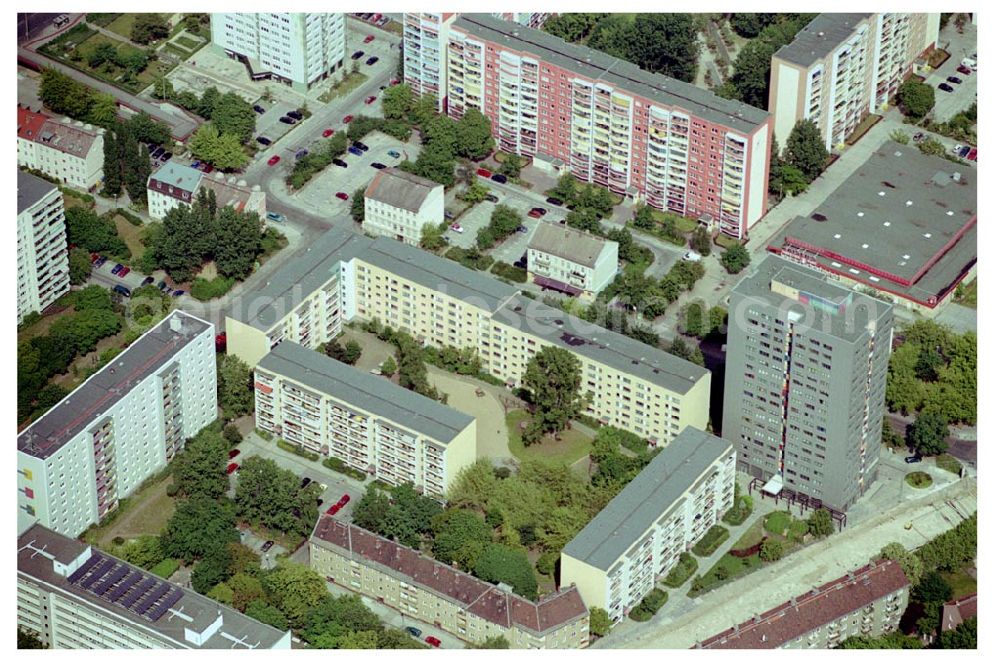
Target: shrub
650 603
546 564
684 569
739 512
298 450
713 538
232 434
338 465
206 290
509 272
772 550
166 568
919 479
264 435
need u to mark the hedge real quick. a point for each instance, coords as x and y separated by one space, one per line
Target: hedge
265 435
166 568
206 290
714 537
130 216
338 465
650 603
739 512
684 569
509 272
298 450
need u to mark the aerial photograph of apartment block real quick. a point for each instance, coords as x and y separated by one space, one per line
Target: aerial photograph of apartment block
497 330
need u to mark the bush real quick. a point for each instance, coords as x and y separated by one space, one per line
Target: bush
739 512
298 450
206 290
509 272
714 537
264 435
919 479
232 434
472 259
771 550
684 569
166 568
338 465
546 564
650 603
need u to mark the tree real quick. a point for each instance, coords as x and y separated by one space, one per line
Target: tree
199 527
210 571
894 641
294 589
503 564
144 552
231 434
565 190
694 319
348 354
572 26
27 639
473 135
358 205
222 150
148 28
552 379
264 612
664 43
932 588
103 110
200 470
962 637
235 116
951 550
805 149
246 590
701 241
932 146
749 25
792 181
221 593
511 166
600 622
92 233
735 259
79 266
235 381
915 98
338 617
271 496
752 72
396 101
492 643
388 367
820 523
112 167
60 93
928 434
475 192
772 550
147 130
237 242
460 536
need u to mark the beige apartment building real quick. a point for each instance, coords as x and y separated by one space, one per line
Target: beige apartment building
638 537
373 425
841 67
866 602
419 587
66 149
571 261
42 255
345 276
398 205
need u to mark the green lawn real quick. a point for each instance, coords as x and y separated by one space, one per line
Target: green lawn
750 537
950 463
571 446
188 43
962 584
109 72
919 479
350 82
777 522
122 25
965 294
101 19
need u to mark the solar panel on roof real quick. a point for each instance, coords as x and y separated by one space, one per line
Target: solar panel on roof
95 574
87 566
155 613
154 596
124 587
142 588
109 580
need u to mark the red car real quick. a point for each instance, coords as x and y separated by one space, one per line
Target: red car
369 39
433 642
369 99
973 155
234 453
348 119
342 196
274 160
232 468
536 212
124 271
220 343
485 173
327 132
344 500
332 511
964 70
393 82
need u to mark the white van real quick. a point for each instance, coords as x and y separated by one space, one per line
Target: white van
970 63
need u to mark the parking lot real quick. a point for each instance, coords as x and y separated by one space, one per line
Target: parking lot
960 46
269 123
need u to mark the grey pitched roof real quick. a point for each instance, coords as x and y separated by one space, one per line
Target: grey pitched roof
104 389
599 66
653 491
820 37
569 243
400 189
372 393
30 190
613 349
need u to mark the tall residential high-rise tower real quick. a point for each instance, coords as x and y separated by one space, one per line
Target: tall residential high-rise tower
42 257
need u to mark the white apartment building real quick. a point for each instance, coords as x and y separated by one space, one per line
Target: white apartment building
298 49
235 193
368 422
527 19
638 537
398 205
170 186
425 50
119 427
65 149
571 261
842 67
42 256
77 597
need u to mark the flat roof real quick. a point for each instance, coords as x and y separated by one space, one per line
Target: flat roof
635 509
820 38
401 189
595 342
190 610
571 244
175 174
858 308
30 190
437 273
113 382
598 66
375 394
813 610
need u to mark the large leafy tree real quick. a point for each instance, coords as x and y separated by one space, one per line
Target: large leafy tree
235 116
198 528
474 139
219 148
805 149
79 266
200 471
358 205
295 590
397 101
211 570
665 43
460 536
552 379
268 495
962 637
246 590
336 617
264 612
503 564
909 562
916 98
237 242
928 434
234 386
735 259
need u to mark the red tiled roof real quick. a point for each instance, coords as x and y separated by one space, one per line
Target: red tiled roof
29 123
956 612
813 609
480 598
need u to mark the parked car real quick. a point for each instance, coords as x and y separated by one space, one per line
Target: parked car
413 631
372 60
220 343
492 198
334 508
258 108
958 148
276 217
537 212
914 459
457 228
369 39
918 137
295 114
343 196
177 293
341 163
357 54
691 255
344 499
327 133
264 141
233 453
432 641
100 262
378 165
971 63
287 120
207 168
945 87
195 164
123 290
954 79
499 178
394 153
485 173
126 270
274 160
348 118
448 215
973 155
166 156
359 145
162 286
522 229
268 545
382 88
369 99
355 151
156 153
149 280
962 153
117 269
305 482
522 262
962 69
302 153
554 201
393 82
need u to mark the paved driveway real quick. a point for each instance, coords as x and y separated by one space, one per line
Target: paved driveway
959 46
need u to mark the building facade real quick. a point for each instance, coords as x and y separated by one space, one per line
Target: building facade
170 186
235 193
42 255
65 149
345 277
806 367
77 597
425 49
842 67
373 425
298 49
638 537
571 261
417 586
527 19
118 428
867 602
398 205
644 136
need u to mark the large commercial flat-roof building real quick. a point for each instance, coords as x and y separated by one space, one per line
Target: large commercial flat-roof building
77 597
69 150
903 224
806 367
638 537
344 277
841 67
42 255
398 204
572 261
123 424
370 423
866 602
420 587
299 49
